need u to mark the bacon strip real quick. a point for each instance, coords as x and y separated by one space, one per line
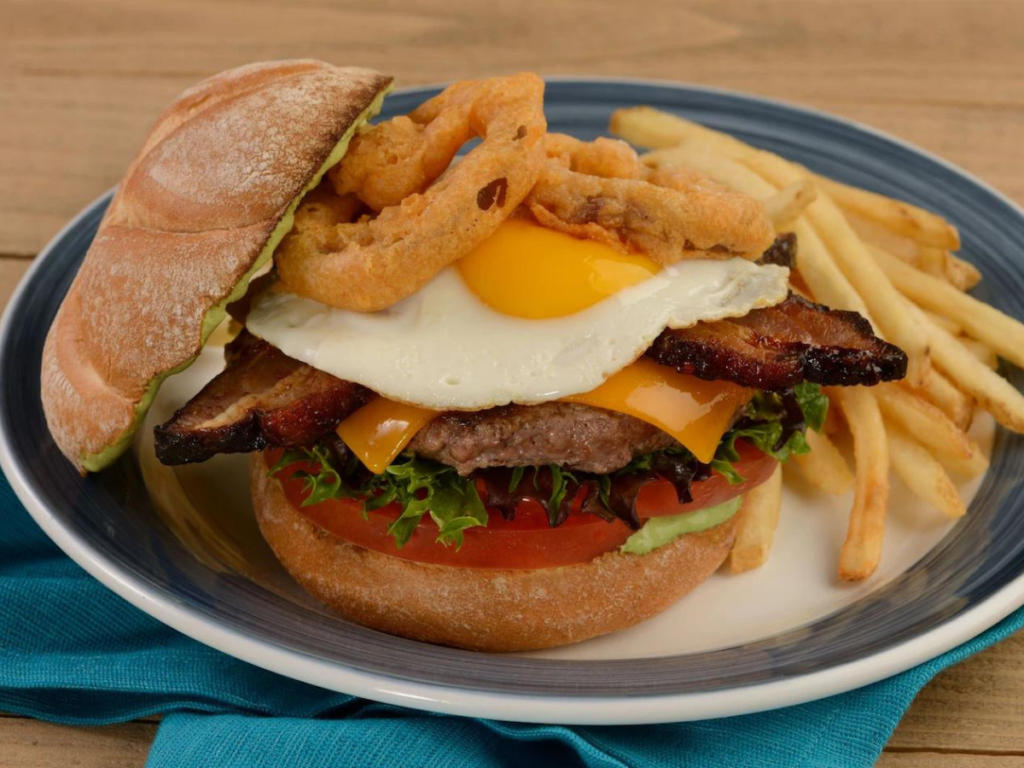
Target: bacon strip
263 398
781 346
782 252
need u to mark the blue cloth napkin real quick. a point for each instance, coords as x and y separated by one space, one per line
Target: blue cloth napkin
73 652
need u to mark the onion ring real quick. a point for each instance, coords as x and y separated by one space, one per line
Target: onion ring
608 158
601 191
424 225
406 154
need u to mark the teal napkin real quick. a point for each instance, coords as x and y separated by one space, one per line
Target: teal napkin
73 652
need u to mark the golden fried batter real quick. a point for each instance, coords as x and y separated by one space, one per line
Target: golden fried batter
423 225
600 190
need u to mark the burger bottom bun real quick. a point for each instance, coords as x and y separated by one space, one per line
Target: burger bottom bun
477 608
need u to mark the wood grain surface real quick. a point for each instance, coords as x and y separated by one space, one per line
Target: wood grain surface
81 81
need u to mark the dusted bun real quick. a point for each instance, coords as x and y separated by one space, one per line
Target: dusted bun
197 211
482 609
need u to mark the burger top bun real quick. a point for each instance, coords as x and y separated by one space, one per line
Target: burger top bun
199 210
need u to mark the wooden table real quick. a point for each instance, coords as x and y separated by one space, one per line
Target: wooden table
82 81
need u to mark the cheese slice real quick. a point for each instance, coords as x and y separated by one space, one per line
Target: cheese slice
695 412
381 429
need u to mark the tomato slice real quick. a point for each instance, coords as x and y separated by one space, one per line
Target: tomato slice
525 542
660 499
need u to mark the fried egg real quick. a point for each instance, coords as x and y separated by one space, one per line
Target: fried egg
532 316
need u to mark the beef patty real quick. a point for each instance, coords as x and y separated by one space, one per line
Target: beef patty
571 435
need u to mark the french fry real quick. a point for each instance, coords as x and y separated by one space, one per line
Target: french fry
757 524
873 233
834 423
986 323
929 426
982 351
940 392
993 393
942 264
932 261
862 549
922 474
953 270
961 274
653 129
966 468
949 326
903 218
786 205
707 160
824 467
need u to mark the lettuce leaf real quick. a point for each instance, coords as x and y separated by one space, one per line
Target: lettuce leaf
813 403
773 421
421 487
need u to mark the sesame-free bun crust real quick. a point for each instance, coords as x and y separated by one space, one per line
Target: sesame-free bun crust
189 221
483 609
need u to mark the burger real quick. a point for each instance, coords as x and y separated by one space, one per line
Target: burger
500 399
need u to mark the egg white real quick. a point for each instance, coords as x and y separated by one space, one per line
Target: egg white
443 348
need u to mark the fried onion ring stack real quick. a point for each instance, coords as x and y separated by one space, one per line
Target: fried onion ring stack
424 212
425 222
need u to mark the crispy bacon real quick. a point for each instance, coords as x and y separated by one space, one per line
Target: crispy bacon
782 252
781 346
263 398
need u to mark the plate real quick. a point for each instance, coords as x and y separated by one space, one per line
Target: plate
182 546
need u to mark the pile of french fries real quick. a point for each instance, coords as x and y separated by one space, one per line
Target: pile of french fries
894 264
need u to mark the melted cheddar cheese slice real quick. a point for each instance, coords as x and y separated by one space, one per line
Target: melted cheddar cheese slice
381 429
695 412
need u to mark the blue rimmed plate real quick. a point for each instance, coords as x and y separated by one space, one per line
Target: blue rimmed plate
181 544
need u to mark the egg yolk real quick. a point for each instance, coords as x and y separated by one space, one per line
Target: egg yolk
526 270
